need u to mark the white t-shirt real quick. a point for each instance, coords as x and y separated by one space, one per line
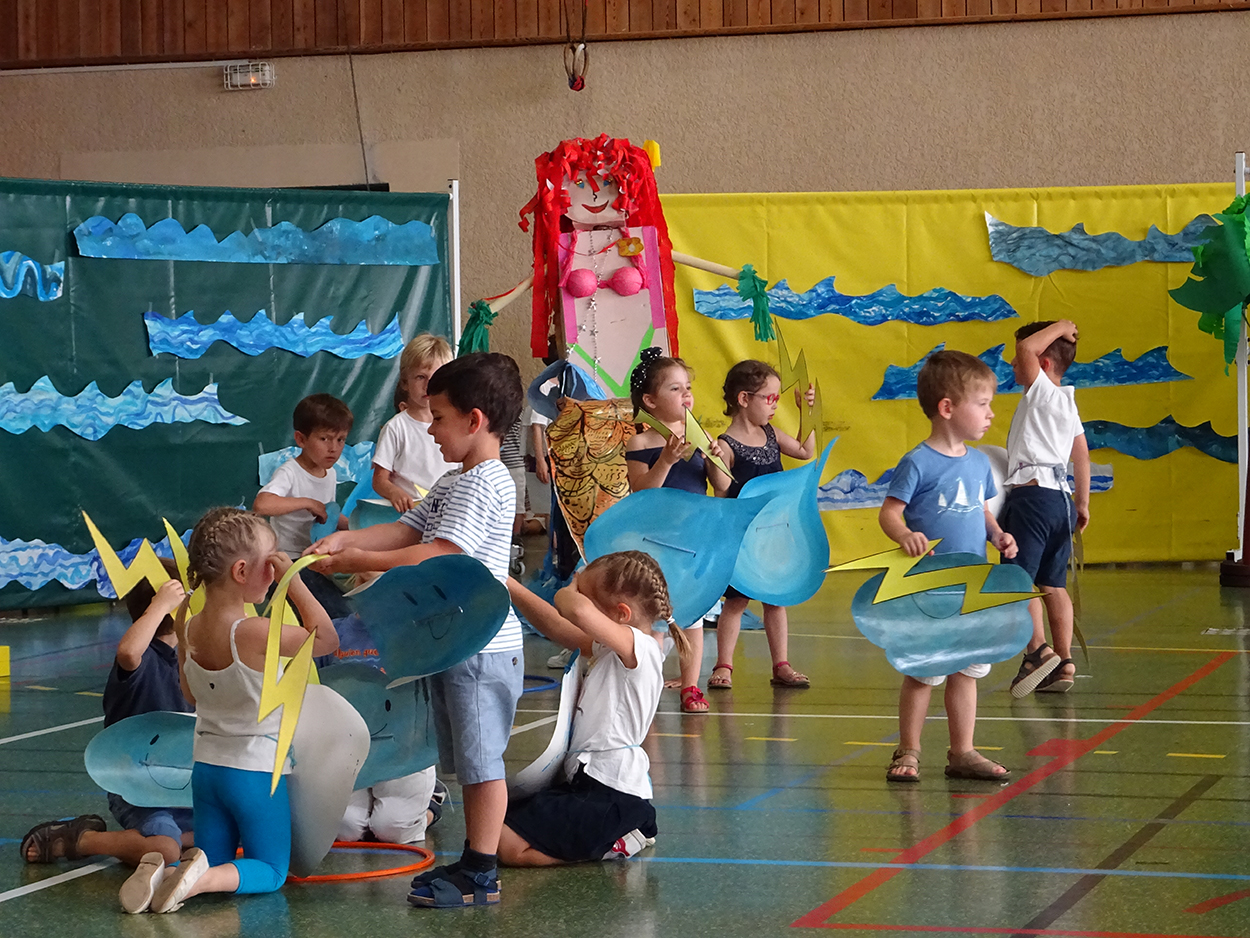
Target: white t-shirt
406 448
1039 443
292 480
614 712
474 510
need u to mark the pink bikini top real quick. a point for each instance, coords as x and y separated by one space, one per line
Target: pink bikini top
625 281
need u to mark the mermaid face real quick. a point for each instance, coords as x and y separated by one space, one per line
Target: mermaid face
589 208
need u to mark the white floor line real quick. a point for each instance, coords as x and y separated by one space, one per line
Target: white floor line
524 727
56 880
50 729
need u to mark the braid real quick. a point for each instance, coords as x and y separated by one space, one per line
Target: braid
220 538
636 576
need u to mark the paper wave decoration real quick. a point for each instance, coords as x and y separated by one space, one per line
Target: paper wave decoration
1111 370
354 465
930 308
91 413
22 274
1039 252
35 563
339 241
1164 437
187 338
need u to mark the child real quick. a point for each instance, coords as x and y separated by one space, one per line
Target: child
661 387
752 390
1045 433
603 809
939 491
144 678
222 654
300 489
474 400
405 458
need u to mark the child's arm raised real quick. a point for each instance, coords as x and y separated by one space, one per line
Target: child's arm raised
1080 471
577 607
1029 349
789 446
914 543
720 481
544 617
269 504
137 638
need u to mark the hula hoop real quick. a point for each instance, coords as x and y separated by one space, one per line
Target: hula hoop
545 683
427 860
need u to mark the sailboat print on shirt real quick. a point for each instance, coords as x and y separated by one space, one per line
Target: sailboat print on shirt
962 504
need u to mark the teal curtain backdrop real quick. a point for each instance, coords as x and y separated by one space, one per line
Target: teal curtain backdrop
128 479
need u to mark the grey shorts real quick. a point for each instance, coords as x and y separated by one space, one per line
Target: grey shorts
474 704
151 822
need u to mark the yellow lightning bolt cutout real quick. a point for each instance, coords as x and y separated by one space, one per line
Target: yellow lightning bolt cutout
796 372
695 434
897 582
286 692
145 566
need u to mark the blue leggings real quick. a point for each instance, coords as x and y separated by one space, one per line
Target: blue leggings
233 807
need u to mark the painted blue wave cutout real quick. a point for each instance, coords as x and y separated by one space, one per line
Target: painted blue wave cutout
187 338
339 241
1164 437
91 413
850 488
1040 252
22 274
35 563
930 308
354 465
1110 370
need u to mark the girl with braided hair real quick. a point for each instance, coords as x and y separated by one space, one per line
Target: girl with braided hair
603 809
661 386
221 653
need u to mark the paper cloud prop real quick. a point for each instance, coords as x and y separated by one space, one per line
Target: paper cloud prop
146 759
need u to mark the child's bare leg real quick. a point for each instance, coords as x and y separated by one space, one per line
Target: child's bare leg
128 846
777 629
224 878
1059 612
961 711
515 850
913 706
728 626
485 805
692 664
1039 626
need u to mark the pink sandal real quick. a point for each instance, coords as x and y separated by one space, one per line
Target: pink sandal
692 700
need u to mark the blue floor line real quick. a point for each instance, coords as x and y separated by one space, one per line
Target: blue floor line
751 803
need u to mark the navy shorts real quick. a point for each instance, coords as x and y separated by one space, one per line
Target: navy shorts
151 822
1042 521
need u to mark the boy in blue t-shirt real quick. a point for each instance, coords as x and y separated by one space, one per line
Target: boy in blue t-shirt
938 491
474 400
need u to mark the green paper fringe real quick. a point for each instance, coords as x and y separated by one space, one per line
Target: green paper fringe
752 287
476 334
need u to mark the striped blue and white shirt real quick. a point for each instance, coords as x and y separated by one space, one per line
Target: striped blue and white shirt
474 510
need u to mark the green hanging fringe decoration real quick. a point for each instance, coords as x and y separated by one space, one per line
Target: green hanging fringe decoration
752 287
476 334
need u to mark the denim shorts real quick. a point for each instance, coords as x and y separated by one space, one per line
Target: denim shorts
474 704
151 822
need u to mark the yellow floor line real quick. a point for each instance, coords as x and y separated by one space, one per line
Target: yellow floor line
1106 752
88 693
678 735
856 742
1195 755
773 739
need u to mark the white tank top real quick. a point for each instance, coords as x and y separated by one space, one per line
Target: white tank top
226 705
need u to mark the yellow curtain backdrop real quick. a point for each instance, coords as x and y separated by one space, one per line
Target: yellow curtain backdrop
1181 506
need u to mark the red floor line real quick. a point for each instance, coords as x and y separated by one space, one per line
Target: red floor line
1218 901
1065 752
1058 933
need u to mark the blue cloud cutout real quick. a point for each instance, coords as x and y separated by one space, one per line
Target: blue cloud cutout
925 635
146 759
930 308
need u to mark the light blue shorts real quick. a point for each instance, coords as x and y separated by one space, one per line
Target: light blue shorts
474 704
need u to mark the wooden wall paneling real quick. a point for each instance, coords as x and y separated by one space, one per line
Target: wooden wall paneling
597 16
238 35
617 19
260 25
526 25
392 22
881 9
640 14
783 12
1028 6
1055 6
416 27
808 11
326 24
130 28
760 12
1155 3
45 30
904 9
303 24
664 14
983 7
173 27
110 28
550 18
88 27
27 30
151 35
1003 7
217 25
505 19
855 11
712 13
831 11
364 22
482 18
955 8
281 25
930 9
438 19
194 33
460 20
68 37
8 32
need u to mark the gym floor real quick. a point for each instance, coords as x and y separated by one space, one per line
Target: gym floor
1125 814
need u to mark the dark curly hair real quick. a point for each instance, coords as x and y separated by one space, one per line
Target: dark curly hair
748 376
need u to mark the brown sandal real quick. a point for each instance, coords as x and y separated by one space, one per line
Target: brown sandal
973 765
46 837
722 682
904 759
793 679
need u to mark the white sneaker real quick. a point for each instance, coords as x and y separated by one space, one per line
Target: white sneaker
178 882
136 892
561 661
629 845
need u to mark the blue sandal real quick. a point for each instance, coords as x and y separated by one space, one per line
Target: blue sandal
452 887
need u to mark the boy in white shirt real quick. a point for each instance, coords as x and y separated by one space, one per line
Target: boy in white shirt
406 461
301 488
1045 433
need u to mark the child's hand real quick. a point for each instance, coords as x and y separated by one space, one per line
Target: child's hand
317 508
280 562
339 561
675 449
330 544
1069 329
1082 517
914 544
716 450
169 597
1006 544
402 501
809 397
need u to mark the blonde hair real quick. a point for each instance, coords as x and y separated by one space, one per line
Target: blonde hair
424 348
220 538
638 579
953 375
